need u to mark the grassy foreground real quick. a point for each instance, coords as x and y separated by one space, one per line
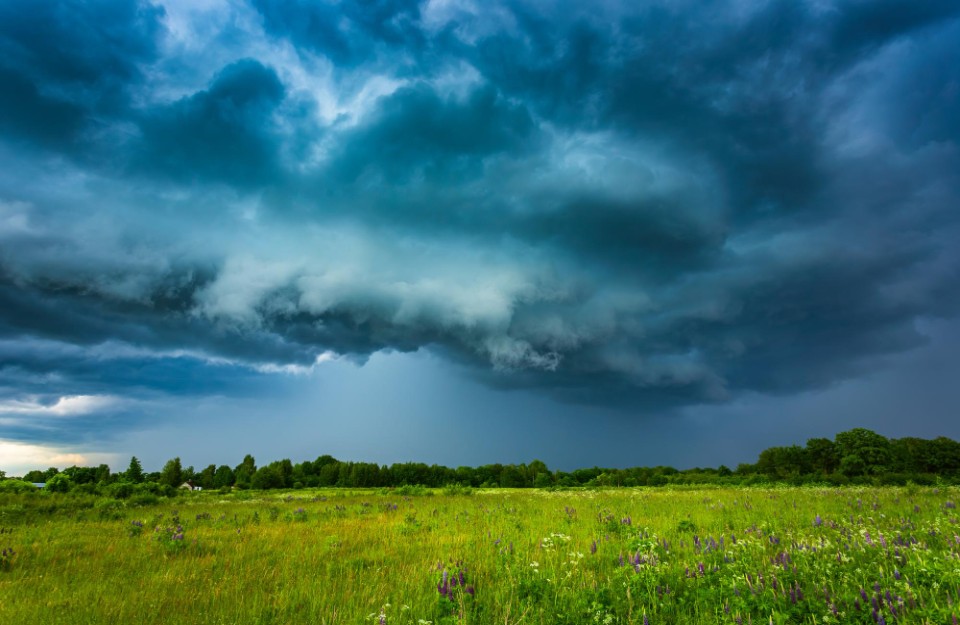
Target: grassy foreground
413 557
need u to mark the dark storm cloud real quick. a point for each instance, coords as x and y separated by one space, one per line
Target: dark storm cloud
417 133
220 134
348 34
67 65
650 206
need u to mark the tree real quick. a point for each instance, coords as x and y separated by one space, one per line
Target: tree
59 483
34 476
782 462
511 477
172 473
823 455
871 448
223 477
267 477
134 472
244 471
534 470
205 477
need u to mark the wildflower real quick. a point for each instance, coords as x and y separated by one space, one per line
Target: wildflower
593 547
817 521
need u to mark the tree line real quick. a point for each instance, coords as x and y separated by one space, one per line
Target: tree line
858 456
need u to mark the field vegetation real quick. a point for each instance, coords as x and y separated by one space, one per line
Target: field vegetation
413 555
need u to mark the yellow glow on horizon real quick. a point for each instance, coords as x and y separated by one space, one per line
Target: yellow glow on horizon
18 458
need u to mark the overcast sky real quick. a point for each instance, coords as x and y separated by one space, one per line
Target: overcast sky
597 233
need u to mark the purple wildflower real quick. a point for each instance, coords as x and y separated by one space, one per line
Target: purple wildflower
817 521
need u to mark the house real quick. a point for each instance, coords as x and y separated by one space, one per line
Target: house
188 485
39 484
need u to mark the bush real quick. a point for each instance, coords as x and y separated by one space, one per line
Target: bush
457 489
120 490
144 499
109 509
18 487
59 483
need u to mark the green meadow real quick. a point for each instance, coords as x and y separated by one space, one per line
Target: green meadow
413 556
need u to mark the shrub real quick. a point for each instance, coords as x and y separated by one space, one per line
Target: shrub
457 489
18 487
59 483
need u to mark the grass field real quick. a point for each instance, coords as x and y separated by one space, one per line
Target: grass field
412 556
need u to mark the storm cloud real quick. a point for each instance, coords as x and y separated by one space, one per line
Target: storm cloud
652 207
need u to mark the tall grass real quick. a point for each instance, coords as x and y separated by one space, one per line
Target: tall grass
616 556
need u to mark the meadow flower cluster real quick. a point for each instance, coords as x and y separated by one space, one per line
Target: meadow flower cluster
135 528
454 593
6 558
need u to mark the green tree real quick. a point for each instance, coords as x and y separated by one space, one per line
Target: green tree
267 477
172 473
511 477
59 483
823 455
852 465
871 448
243 474
102 473
223 477
534 470
205 478
134 472
784 462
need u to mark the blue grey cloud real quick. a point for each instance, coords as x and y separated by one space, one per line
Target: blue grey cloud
651 207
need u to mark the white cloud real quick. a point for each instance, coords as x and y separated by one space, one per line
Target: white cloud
66 406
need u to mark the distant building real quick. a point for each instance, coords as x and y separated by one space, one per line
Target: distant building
39 484
188 485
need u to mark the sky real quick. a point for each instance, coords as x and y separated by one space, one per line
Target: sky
459 232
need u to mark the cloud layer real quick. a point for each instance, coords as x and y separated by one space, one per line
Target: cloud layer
654 206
